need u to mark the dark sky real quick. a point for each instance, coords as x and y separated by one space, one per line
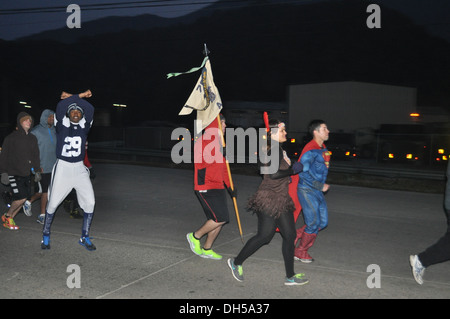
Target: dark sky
13 26
433 14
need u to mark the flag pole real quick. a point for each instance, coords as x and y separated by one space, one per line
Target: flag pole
206 52
231 180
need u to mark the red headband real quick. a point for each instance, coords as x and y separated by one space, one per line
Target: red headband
266 121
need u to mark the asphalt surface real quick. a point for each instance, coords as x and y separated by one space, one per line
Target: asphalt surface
141 220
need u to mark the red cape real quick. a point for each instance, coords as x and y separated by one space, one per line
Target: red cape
312 145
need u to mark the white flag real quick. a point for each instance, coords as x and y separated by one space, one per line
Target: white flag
205 99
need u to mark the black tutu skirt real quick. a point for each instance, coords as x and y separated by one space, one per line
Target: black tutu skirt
271 203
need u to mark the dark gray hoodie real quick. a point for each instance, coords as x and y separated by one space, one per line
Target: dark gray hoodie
46 137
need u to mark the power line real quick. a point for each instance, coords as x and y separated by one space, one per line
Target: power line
141 4
108 6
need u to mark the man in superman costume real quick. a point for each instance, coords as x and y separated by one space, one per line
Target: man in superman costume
307 190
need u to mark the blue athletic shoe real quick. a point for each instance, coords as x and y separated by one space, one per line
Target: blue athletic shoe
45 243
86 242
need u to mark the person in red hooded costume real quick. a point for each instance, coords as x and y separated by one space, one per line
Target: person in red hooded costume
211 181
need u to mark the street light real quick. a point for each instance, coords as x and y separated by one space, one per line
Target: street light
121 114
25 104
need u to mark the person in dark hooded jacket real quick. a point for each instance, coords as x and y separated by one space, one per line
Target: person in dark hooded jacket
19 157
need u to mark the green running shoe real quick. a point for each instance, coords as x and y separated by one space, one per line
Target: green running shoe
195 244
210 254
297 279
236 270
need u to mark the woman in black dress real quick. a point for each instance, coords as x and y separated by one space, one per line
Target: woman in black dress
274 207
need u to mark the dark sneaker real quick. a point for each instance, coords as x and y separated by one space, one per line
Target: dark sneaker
45 243
86 242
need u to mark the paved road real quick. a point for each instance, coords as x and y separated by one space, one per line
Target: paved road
143 214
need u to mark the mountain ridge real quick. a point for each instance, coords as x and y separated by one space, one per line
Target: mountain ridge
256 53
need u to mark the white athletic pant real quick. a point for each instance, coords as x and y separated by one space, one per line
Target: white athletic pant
65 176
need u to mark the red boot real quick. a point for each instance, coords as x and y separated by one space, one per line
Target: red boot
301 253
300 232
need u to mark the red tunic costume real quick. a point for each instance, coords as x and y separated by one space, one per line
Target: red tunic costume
210 170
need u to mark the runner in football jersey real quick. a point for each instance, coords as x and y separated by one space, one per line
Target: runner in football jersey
73 120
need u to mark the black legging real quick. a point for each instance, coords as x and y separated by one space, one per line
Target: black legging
266 230
437 253
440 251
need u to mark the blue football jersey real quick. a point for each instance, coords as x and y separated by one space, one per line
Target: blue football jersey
71 137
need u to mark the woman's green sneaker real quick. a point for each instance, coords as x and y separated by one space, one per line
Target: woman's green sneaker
296 280
210 254
236 270
195 244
